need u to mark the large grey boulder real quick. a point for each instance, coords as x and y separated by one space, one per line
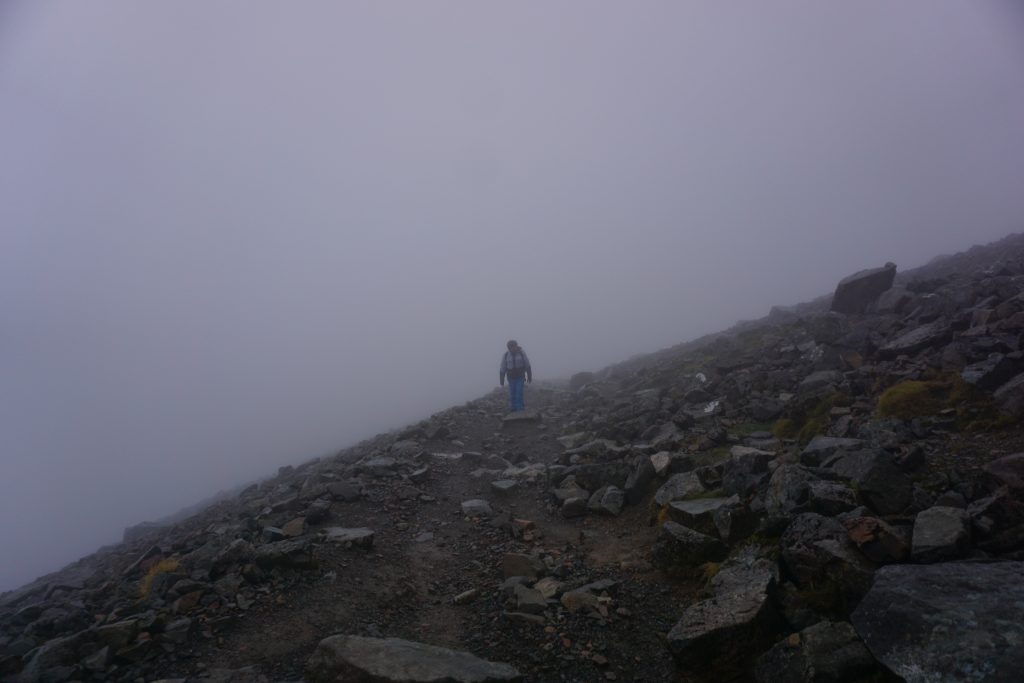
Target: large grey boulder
941 533
678 549
879 482
923 337
386 660
678 487
818 553
827 652
746 470
821 447
724 633
788 489
856 292
700 514
990 373
946 623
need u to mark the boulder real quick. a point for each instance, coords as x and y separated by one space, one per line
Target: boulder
607 500
679 549
817 553
700 514
856 292
990 373
746 470
477 508
294 553
361 536
1010 396
946 623
788 489
724 633
876 539
931 335
1008 471
822 447
827 652
941 533
830 498
678 487
879 482
385 660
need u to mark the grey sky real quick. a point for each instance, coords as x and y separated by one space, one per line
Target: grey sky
236 235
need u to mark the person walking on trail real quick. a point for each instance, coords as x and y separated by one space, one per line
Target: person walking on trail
515 366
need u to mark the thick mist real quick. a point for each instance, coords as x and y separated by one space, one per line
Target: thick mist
235 236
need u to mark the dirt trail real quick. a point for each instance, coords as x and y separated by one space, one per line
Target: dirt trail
426 552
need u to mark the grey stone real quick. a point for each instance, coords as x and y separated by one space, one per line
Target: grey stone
294 553
607 500
746 470
724 633
386 660
318 511
477 508
941 533
699 514
359 536
827 652
946 623
529 600
856 292
787 490
923 337
817 552
830 498
879 482
1008 471
574 507
679 549
503 486
346 491
990 373
821 447
678 487
1010 396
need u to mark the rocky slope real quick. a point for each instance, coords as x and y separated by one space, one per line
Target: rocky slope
814 496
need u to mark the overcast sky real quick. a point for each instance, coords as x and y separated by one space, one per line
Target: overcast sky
236 235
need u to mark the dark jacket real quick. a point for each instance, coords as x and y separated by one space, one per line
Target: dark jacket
515 366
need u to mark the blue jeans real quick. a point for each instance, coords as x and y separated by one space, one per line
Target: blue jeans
515 394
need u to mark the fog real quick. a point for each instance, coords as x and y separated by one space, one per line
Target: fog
235 235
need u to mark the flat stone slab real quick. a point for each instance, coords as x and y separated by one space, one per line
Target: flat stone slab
948 622
360 536
385 660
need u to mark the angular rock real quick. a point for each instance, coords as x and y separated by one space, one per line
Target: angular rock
941 533
608 500
946 623
830 498
575 507
788 488
723 634
346 491
876 539
879 483
503 486
528 600
990 373
385 660
1010 396
477 508
360 536
699 514
822 447
295 553
746 470
818 553
856 292
678 487
827 652
932 335
1008 471
679 549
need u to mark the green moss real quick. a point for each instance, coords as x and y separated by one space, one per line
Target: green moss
972 410
805 422
914 398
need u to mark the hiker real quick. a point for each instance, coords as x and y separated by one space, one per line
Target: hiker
515 365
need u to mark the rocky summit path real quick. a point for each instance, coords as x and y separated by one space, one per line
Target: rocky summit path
832 493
